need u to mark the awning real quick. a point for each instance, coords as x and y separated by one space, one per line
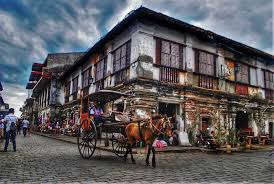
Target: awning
35 76
37 67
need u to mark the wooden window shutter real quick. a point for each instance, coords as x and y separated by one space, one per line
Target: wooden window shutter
158 51
181 57
196 58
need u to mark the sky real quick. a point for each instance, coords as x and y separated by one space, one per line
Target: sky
30 29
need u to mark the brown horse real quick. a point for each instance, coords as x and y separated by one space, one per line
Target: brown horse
147 131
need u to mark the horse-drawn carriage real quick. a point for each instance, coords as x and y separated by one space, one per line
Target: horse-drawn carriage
121 128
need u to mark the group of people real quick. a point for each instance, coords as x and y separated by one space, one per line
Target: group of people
57 127
11 126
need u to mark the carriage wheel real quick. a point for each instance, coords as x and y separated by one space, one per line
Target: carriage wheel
119 145
87 137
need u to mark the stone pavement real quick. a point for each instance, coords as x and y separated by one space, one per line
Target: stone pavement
44 160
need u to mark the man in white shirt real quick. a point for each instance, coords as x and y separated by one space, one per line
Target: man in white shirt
25 125
11 121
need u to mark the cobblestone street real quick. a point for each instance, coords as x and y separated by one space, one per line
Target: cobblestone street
45 160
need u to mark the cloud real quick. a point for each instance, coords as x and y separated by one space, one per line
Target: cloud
14 95
240 20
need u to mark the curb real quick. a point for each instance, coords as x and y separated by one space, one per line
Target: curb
194 149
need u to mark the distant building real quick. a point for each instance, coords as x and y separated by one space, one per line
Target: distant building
44 98
4 107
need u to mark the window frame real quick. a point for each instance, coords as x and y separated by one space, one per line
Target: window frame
269 79
241 74
74 88
126 57
198 63
103 70
87 79
179 63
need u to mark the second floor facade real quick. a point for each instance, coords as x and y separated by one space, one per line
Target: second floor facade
153 47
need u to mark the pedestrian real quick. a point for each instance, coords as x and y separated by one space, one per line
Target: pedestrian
1 130
19 125
25 125
10 121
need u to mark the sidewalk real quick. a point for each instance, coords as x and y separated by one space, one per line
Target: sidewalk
73 140
170 149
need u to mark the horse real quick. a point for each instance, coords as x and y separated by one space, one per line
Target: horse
147 131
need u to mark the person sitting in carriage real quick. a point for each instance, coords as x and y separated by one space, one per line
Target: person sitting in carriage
96 113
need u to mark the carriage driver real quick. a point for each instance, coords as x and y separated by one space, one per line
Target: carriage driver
96 113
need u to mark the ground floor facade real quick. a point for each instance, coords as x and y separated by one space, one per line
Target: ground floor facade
200 109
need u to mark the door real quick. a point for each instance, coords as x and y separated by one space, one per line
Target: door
271 130
167 108
205 124
241 120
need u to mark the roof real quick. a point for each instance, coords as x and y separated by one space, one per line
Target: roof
56 62
164 20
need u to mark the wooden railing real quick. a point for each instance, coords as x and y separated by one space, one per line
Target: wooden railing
169 75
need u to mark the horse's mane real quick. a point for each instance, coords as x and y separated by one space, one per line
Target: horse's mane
157 117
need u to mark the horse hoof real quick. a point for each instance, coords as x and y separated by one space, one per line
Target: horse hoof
148 164
153 165
133 162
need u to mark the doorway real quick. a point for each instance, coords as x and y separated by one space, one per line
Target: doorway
271 130
205 123
241 121
167 108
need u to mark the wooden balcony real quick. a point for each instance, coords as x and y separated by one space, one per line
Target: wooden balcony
169 75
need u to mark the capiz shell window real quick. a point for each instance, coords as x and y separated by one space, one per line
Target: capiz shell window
74 85
121 57
242 74
169 54
101 69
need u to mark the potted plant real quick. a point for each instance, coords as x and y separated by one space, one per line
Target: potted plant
230 140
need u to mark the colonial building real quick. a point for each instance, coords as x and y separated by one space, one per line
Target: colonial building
45 100
208 81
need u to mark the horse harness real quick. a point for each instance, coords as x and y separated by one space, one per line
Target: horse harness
151 126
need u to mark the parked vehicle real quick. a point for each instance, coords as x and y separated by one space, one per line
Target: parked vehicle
204 139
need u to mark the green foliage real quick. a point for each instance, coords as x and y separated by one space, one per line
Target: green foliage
191 136
230 138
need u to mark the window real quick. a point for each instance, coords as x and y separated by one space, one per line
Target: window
241 89
121 57
74 85
85 78
169 54
67 91
242 74
268 94
268 80
205 63
101 69
253 76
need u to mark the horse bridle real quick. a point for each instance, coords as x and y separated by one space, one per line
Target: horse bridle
159 131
